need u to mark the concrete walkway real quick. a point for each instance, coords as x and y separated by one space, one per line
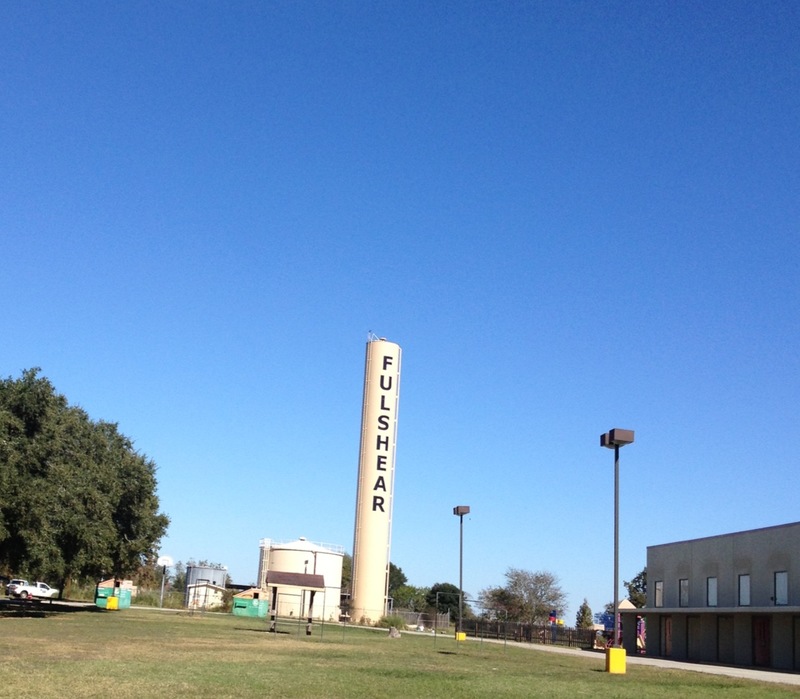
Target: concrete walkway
745 673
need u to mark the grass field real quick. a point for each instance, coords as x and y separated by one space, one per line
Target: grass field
151 653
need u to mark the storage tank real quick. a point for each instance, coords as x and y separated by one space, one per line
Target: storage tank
303 556
376 469
211 574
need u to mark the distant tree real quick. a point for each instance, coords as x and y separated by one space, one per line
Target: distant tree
410 597
583 619
227 600
147 576
637 589
527 596
77 499
179 577
444 597
396 578
499 603
347 572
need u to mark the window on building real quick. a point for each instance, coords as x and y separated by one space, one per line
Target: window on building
711 592
659 600
744 590
683 592
782 587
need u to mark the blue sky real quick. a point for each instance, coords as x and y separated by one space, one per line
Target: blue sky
572 216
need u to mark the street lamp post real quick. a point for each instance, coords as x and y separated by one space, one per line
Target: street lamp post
163 562
460 511
614 439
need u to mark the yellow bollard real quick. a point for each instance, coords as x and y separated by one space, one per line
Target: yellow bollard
615 661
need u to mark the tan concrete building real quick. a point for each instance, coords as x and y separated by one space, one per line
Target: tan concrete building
732 599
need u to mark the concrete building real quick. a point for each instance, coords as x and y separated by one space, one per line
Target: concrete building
204 595
732 599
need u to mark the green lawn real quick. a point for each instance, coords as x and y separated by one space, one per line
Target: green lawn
150 653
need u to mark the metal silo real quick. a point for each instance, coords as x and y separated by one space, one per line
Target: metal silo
210 574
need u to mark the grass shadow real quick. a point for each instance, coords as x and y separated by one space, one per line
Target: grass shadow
38 609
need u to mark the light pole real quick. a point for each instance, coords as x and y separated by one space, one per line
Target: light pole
460 511
163 562
614 439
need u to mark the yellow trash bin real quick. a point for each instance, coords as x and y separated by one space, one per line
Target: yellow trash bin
112 603
615 660
461 635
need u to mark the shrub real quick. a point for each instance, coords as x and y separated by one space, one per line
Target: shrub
395 620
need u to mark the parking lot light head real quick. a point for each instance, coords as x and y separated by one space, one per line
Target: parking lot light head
616 438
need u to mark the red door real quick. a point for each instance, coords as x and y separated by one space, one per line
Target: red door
761 644
666 636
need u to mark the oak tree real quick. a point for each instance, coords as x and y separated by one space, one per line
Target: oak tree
76 499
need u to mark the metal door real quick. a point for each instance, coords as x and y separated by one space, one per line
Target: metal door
666 636
761 642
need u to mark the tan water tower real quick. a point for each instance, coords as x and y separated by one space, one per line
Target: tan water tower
376 468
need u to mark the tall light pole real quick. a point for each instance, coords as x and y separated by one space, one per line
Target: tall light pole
460 511
614 439
163 562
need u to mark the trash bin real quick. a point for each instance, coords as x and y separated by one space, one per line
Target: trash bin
108 597
123 595
102 595
250 607
615 661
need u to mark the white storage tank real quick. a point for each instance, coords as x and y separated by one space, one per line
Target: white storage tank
312 558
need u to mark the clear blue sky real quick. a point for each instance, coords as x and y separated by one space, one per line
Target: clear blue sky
572 216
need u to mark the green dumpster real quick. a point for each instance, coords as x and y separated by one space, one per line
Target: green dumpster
252 607
121 597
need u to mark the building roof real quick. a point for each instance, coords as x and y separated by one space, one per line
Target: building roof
116 582
307 581
729 534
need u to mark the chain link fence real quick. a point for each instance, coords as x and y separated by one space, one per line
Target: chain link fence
545 634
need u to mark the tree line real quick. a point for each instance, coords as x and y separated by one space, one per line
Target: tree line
77 501
527 597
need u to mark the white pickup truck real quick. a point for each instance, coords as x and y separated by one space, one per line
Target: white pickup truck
31 590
